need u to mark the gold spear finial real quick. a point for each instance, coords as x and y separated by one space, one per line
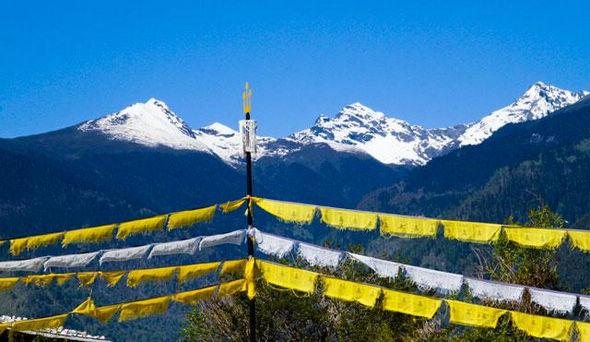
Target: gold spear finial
247 99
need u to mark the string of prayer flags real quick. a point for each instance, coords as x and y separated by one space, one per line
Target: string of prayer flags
405 226
348 219
536 237
471 231
410 304
188 218
287 211
474 315
89 235
146 225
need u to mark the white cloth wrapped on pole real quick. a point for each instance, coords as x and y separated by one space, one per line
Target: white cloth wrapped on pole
125 254
487 289
383 268
236 237
70 261
189 246
561 302
431 279
28 265
273 245
318 256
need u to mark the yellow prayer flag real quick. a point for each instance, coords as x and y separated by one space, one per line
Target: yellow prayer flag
151 224
230 206
112 278
287 211
86 308
229 288
350 291
535 237
542 327
348 219
288 277
191 297
410 304
143 308
105 313
87 278
474 315
8 283
89 235
44 240
136 277
580 239
233 266
249 276
188 218
404 226
40 323
17 246
584 331
39 280
194 271
471 231
61 278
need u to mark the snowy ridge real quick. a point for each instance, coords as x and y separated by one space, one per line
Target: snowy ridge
355 129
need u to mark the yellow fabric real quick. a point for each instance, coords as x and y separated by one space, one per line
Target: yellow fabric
127 229
105 313
8 283
348 219
47 279
190 217
193 271
542 327
410 304
407 226
286 211
580 239
143 308
535 237
17 246
234 266
230 206
351 291
40 323
136 277
191 297
87 278
44 240
229 288
112 278
584 331
86 308
89 235
288 277
249 276
471 231
474 315
63 277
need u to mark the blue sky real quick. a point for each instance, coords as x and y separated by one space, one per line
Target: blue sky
433 64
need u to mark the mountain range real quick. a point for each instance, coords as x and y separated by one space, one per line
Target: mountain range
355 129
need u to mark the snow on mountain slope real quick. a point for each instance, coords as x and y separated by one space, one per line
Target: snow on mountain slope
538 101
151 123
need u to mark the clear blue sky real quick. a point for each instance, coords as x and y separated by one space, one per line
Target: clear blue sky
437 64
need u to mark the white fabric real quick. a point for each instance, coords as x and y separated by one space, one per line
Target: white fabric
552 300
125 254
585 302
236 237
272 244
431 279
189 246
72 260
486 289
28 265
383 268
318 256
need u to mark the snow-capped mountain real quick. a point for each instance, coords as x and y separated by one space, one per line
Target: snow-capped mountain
355 129
538 101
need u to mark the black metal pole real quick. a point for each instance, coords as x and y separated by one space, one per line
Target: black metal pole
250 218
